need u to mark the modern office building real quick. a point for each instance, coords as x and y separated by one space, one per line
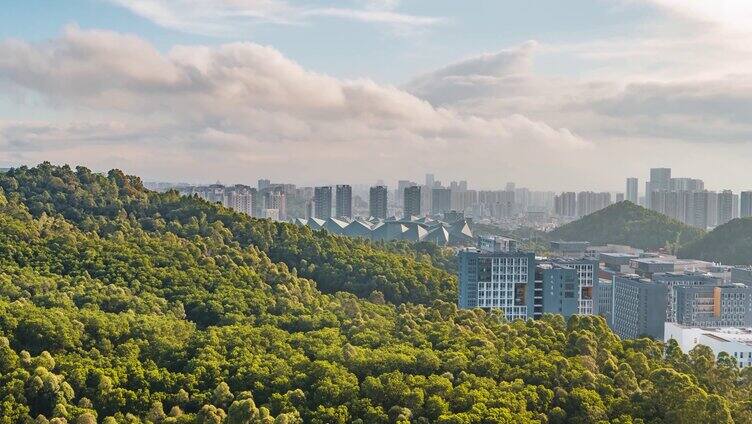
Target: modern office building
555 290
726 305
412 201
725 207
639 307
441 200
745 204
632 190
378 201
604 299
585 289
497 279
344 202
736 342
674 280
322 198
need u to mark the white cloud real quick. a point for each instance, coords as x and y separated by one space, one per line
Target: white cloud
246 105
234 17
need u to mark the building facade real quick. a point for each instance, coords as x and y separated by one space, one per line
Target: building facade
344 201
441 201
736 342
727 305
639 307
745 204
412 201
322 199
632 193
497 279
378 201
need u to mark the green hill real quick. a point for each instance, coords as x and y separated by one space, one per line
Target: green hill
730 243
118 305
630 224
336 263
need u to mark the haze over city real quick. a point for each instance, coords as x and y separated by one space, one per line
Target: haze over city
552 95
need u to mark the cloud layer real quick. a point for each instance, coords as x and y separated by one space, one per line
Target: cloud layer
247 104
234 17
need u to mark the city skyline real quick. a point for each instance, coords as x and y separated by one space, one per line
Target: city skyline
495 92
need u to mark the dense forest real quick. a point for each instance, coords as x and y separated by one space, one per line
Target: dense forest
118 305
630 224
730 243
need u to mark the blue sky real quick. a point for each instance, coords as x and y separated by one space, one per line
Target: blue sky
554 95
351 49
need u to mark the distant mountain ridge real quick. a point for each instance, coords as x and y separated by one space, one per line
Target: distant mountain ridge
630 224
730 243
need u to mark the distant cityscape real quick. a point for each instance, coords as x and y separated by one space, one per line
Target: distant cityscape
684 199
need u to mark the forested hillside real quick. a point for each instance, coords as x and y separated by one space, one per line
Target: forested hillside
89 200
730 243
122 306
630 224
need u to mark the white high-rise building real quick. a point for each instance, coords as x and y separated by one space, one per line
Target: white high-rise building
632 193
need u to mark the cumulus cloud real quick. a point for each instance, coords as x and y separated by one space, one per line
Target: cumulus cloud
494 74
247 104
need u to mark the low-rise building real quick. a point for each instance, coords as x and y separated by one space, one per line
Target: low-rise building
736 342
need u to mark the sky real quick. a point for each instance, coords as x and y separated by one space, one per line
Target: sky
552 95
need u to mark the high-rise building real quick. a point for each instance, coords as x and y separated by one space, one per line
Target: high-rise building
412 201
344 201
430 180
322 198
632 192
263 184
378 201
619 197
712 208
566 204
242 199
660 179
276 200
589 202
686 184
700 206
725 207
745 204
497 278
401 186
441 200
